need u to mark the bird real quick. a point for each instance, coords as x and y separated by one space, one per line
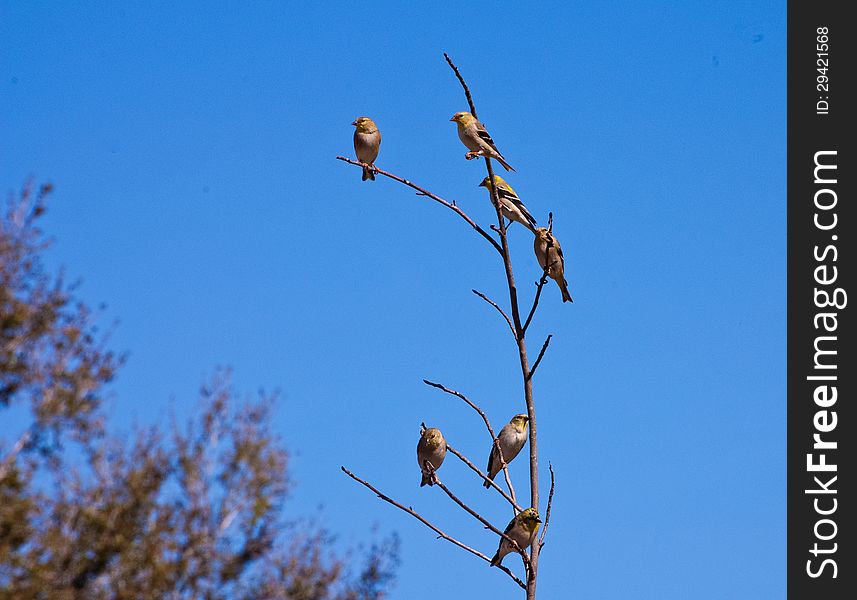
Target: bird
431 450
474 135
367 143
549 255
511 206
512 438
522 529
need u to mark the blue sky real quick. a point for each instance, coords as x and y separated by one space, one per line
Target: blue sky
192 148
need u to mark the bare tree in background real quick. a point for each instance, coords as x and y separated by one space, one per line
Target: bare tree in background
187 511
518 324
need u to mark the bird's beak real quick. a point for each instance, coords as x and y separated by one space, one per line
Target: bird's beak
538 520
452 119
482 185
354 122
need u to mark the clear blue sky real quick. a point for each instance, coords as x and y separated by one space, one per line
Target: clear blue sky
192 148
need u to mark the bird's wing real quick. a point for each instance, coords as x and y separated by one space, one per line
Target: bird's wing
553 242
507 194
491 456
485 136
510 526
559 251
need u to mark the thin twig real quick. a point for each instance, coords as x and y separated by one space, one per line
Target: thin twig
494 439
541 283
487 479
467 400
548 513
464 85
539 357
423 192
484 521
431 526
500 310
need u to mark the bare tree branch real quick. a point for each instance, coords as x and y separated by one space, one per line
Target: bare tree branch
541 283
539 357
513 320
464 85
494 439
548 513
500 310
507 260
522 348
484 521
431 526
495 200
467 400
423 192
484 477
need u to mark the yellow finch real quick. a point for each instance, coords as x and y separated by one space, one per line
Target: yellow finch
511 206
367 143
431 450
549 255
512 438
522 529
473 135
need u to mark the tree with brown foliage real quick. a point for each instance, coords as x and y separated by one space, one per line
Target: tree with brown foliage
190 511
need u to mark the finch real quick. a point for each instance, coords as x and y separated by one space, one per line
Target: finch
511 206
522 529
512 438
431 450
367 143
549 255
473 134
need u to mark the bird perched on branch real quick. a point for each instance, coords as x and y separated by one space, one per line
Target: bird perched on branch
367 143
522 529
512 438
431 450
511 206
473 135
549 255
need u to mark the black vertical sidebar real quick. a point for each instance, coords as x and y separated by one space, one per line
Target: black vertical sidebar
822 367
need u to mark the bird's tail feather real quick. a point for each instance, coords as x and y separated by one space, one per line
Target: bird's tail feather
368 173
506 165
497 559
426 480
566 297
